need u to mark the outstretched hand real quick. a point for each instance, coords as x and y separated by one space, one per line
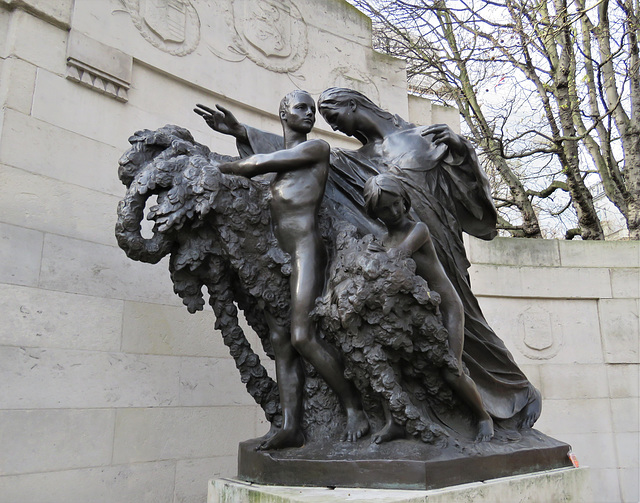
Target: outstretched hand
443 134
221 120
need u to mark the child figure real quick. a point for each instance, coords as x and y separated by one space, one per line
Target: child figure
387 200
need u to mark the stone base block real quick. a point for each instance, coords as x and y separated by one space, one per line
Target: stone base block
565 484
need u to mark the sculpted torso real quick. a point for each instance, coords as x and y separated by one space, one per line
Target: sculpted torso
296 197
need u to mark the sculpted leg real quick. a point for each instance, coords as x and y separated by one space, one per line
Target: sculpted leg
290 378
307 280
463 385
466 389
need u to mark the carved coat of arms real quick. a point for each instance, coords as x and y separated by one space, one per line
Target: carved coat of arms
271 33
172 26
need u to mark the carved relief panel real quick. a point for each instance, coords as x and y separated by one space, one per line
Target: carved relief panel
173 26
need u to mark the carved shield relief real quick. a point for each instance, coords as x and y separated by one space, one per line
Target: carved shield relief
173 26
539 337
167 18
271 33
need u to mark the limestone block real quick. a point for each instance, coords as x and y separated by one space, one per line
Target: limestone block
150 88
47 205
17 84
57 378
574 381
71 265
595 450
420 110
625 414
36 41
20 254
57 101
620 329
190 474
606 485
211 381
5 18
446 115
546 282
164 330
623 380
538 330
625 283
98 66
340 18
41 318
45 440
599 253
628 449
140 483
61 154
554 485
180 432
575 417
57 12
513 251
629 484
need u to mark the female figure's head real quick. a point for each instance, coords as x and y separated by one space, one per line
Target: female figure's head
341 107
385 198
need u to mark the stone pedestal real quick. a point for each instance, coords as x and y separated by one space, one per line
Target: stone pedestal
565 484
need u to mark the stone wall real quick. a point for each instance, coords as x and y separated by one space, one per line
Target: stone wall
568 311
111 390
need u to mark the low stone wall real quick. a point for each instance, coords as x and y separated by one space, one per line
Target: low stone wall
568 311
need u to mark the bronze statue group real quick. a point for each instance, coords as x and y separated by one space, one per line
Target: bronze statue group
410 191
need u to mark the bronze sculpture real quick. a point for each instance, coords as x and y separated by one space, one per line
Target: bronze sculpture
378 318
450 193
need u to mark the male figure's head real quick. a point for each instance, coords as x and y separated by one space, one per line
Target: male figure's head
298 111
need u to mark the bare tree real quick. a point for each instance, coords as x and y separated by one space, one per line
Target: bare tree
568 120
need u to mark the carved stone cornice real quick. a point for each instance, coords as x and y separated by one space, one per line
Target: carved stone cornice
98 66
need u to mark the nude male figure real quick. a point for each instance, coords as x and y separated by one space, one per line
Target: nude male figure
301 171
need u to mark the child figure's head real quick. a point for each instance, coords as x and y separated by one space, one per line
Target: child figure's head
385 198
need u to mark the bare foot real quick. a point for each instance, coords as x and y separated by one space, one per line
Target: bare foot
357 425
282 439
531 412
390 431
485 430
